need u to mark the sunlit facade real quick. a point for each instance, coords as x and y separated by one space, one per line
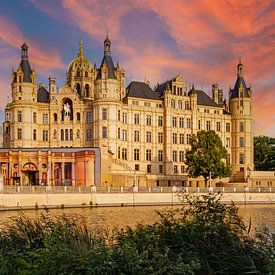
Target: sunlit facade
141 133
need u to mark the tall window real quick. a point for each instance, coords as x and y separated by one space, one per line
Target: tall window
227 142
188 123
136 118
174 122
174 138
188 138
179 104
181 122
118 152
208 125
160 169
181 156
241 158
136 136
148 155
136 154
71 134
124 154
187 106
118 115
19 134
45 119
241 126
124 118
160 119
19 116
66 134
34 134
148 120
227 127
104 132
45 135
173 103
199 124
175 167
218 127
55 117
241 142
104 114
62 134
148 136
160 137
149 168
118 133
89 117
124 135
175 156
34 118
160 155
181 139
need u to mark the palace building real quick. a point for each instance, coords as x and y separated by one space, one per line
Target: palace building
96 130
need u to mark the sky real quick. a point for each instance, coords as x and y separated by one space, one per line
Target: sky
153 39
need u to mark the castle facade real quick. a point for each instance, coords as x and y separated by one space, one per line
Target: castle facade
140 135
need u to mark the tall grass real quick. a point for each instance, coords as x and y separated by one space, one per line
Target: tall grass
205 238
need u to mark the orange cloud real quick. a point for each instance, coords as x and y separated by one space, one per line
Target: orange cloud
44 60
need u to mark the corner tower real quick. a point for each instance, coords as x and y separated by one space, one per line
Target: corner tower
240 106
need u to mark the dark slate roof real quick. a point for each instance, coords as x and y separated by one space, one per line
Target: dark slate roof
204 99
164 86
110 66
141 90
235 91
43 95
25 65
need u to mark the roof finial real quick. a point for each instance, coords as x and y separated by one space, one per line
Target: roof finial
24 51
240 68
107 46
80 53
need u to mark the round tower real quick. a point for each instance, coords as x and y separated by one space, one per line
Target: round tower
240 106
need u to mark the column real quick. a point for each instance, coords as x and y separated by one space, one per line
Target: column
49 174
73 173
62 172
86 172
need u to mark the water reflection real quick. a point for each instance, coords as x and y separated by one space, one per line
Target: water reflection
120 217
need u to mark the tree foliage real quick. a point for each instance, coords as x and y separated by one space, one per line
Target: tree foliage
207 154
264 155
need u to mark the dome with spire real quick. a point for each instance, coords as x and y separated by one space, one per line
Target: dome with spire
80 65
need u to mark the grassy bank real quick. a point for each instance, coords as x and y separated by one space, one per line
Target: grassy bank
205 238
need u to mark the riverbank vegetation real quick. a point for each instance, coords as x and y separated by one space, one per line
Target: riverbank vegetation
203 237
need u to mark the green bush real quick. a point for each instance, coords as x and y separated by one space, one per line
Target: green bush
202 237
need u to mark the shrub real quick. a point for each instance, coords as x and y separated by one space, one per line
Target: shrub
205 237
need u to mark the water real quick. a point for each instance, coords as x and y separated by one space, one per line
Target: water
121 217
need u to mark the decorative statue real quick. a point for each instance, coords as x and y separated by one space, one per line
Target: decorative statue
67 109
54 134
77 133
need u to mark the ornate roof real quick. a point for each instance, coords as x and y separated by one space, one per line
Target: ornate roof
43 95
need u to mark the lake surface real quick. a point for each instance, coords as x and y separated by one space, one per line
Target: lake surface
121 217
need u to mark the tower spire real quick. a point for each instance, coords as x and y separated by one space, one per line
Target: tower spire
80 52
240 68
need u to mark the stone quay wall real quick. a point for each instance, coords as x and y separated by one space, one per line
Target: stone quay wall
91 197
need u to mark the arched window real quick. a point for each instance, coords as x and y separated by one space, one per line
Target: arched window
78 116
78 88
55 116
87 90
173 103
187 106
86 74
179 104
78 73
